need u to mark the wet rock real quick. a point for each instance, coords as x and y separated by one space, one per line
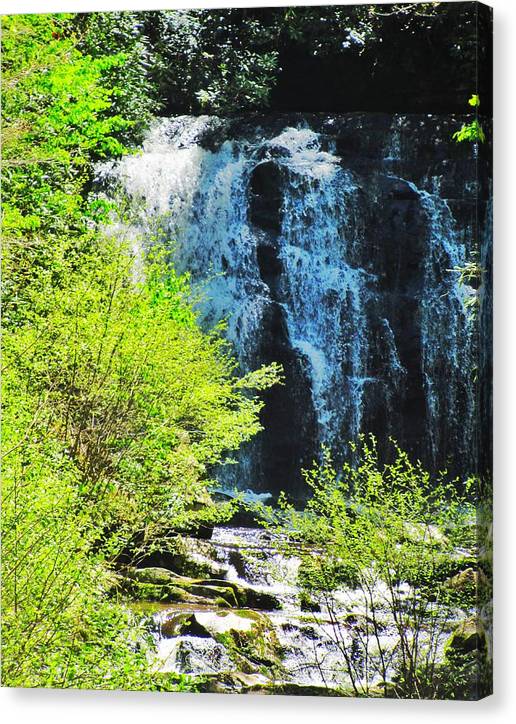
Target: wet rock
160 584
185 555
251 682
254 598
265 204
177 590
246 596
358 217
396 188
210 592
309 632
196 557
307 602
193 656
157 576
469 581
183 624
248 636
469 636
240 683
363 623
237 682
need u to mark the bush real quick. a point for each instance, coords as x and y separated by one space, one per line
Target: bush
374 542
116 404
116 407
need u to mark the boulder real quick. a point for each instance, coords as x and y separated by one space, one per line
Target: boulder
467 581
177 590
202 656
291 689
248 636
186 556
254 598
160 584
361 622
236 682
154 575
469 636
245 595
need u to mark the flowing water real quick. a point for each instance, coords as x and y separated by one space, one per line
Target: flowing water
331 254
329 244
314 643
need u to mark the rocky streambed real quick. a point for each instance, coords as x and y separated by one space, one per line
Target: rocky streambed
229 611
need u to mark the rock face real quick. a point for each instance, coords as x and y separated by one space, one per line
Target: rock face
329 244
239 649
468 581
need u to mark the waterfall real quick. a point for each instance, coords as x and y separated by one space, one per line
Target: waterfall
330 256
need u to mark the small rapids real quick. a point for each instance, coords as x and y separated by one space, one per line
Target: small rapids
311 645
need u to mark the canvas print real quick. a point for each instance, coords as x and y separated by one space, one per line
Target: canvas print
246 371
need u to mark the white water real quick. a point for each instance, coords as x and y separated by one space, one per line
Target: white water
312 642
195 201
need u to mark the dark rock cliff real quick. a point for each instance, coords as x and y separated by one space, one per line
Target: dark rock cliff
331 244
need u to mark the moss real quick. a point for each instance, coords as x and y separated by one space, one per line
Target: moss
258 643
468 636
177 590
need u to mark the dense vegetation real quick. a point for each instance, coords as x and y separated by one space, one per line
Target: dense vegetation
116 404
408 57
118 407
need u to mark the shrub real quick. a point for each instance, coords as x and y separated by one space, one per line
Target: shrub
116 404
376 545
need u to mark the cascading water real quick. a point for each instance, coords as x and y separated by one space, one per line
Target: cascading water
312 640
330 256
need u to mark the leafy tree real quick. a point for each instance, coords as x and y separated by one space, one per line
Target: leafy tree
55 122
134 94
222 61
116 404
378 546
228 61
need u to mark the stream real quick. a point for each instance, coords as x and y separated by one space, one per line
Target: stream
310 646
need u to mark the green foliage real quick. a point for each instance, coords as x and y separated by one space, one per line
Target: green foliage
232 60
470 279
58 627
54 120
471 274
138 394
217 62
472 132
376 545
122 34
116 404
